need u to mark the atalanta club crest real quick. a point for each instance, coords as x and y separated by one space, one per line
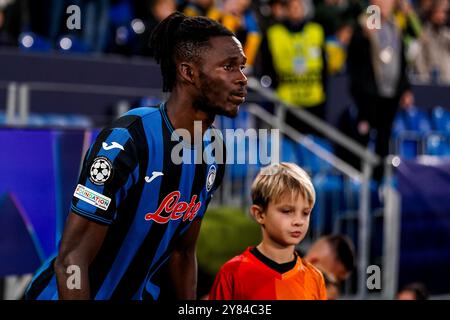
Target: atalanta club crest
101 171
211 177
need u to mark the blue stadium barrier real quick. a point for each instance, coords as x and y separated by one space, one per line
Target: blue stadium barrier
328 189
79 121
290 151
37 120
148 102
311 161
242 121
55 120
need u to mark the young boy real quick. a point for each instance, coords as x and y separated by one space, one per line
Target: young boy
283 197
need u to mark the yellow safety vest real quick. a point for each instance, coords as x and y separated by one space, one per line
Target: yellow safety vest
298 62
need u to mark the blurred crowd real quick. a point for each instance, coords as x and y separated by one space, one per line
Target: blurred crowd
292 46
326 28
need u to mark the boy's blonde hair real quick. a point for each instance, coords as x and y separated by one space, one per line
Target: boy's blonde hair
275 180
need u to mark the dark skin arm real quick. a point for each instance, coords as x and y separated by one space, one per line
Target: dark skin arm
80 244
183 264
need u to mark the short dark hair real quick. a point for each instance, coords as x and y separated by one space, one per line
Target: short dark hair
179 36
343 247
418 288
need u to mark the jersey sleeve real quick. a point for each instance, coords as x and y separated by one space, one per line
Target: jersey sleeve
109 169
222 288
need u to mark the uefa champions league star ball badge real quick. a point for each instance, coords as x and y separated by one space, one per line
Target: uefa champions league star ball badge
210 177
101 171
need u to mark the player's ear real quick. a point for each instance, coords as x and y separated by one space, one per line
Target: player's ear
187 72
257 213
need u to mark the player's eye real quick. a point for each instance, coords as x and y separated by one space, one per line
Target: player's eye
242 67
307 212
228 67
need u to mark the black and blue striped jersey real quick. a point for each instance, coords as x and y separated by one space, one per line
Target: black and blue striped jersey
129 182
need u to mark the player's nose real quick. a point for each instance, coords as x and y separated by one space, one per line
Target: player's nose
299 220
242 80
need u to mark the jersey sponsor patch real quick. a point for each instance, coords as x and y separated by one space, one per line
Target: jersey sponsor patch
173 209
90 196
101 171
210 178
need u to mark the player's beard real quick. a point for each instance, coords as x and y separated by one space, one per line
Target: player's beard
204 103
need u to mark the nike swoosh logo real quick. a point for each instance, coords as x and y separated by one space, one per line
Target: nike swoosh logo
155 174
113 145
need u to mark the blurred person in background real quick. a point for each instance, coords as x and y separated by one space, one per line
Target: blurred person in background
433 61
335 16
339 33
336 48
155 12
423 7
238 16
409 23
413 291
334 255
202 8
332 15
235 15
328 14
277 11
159 10
274 12
293 52
407 20
378 78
